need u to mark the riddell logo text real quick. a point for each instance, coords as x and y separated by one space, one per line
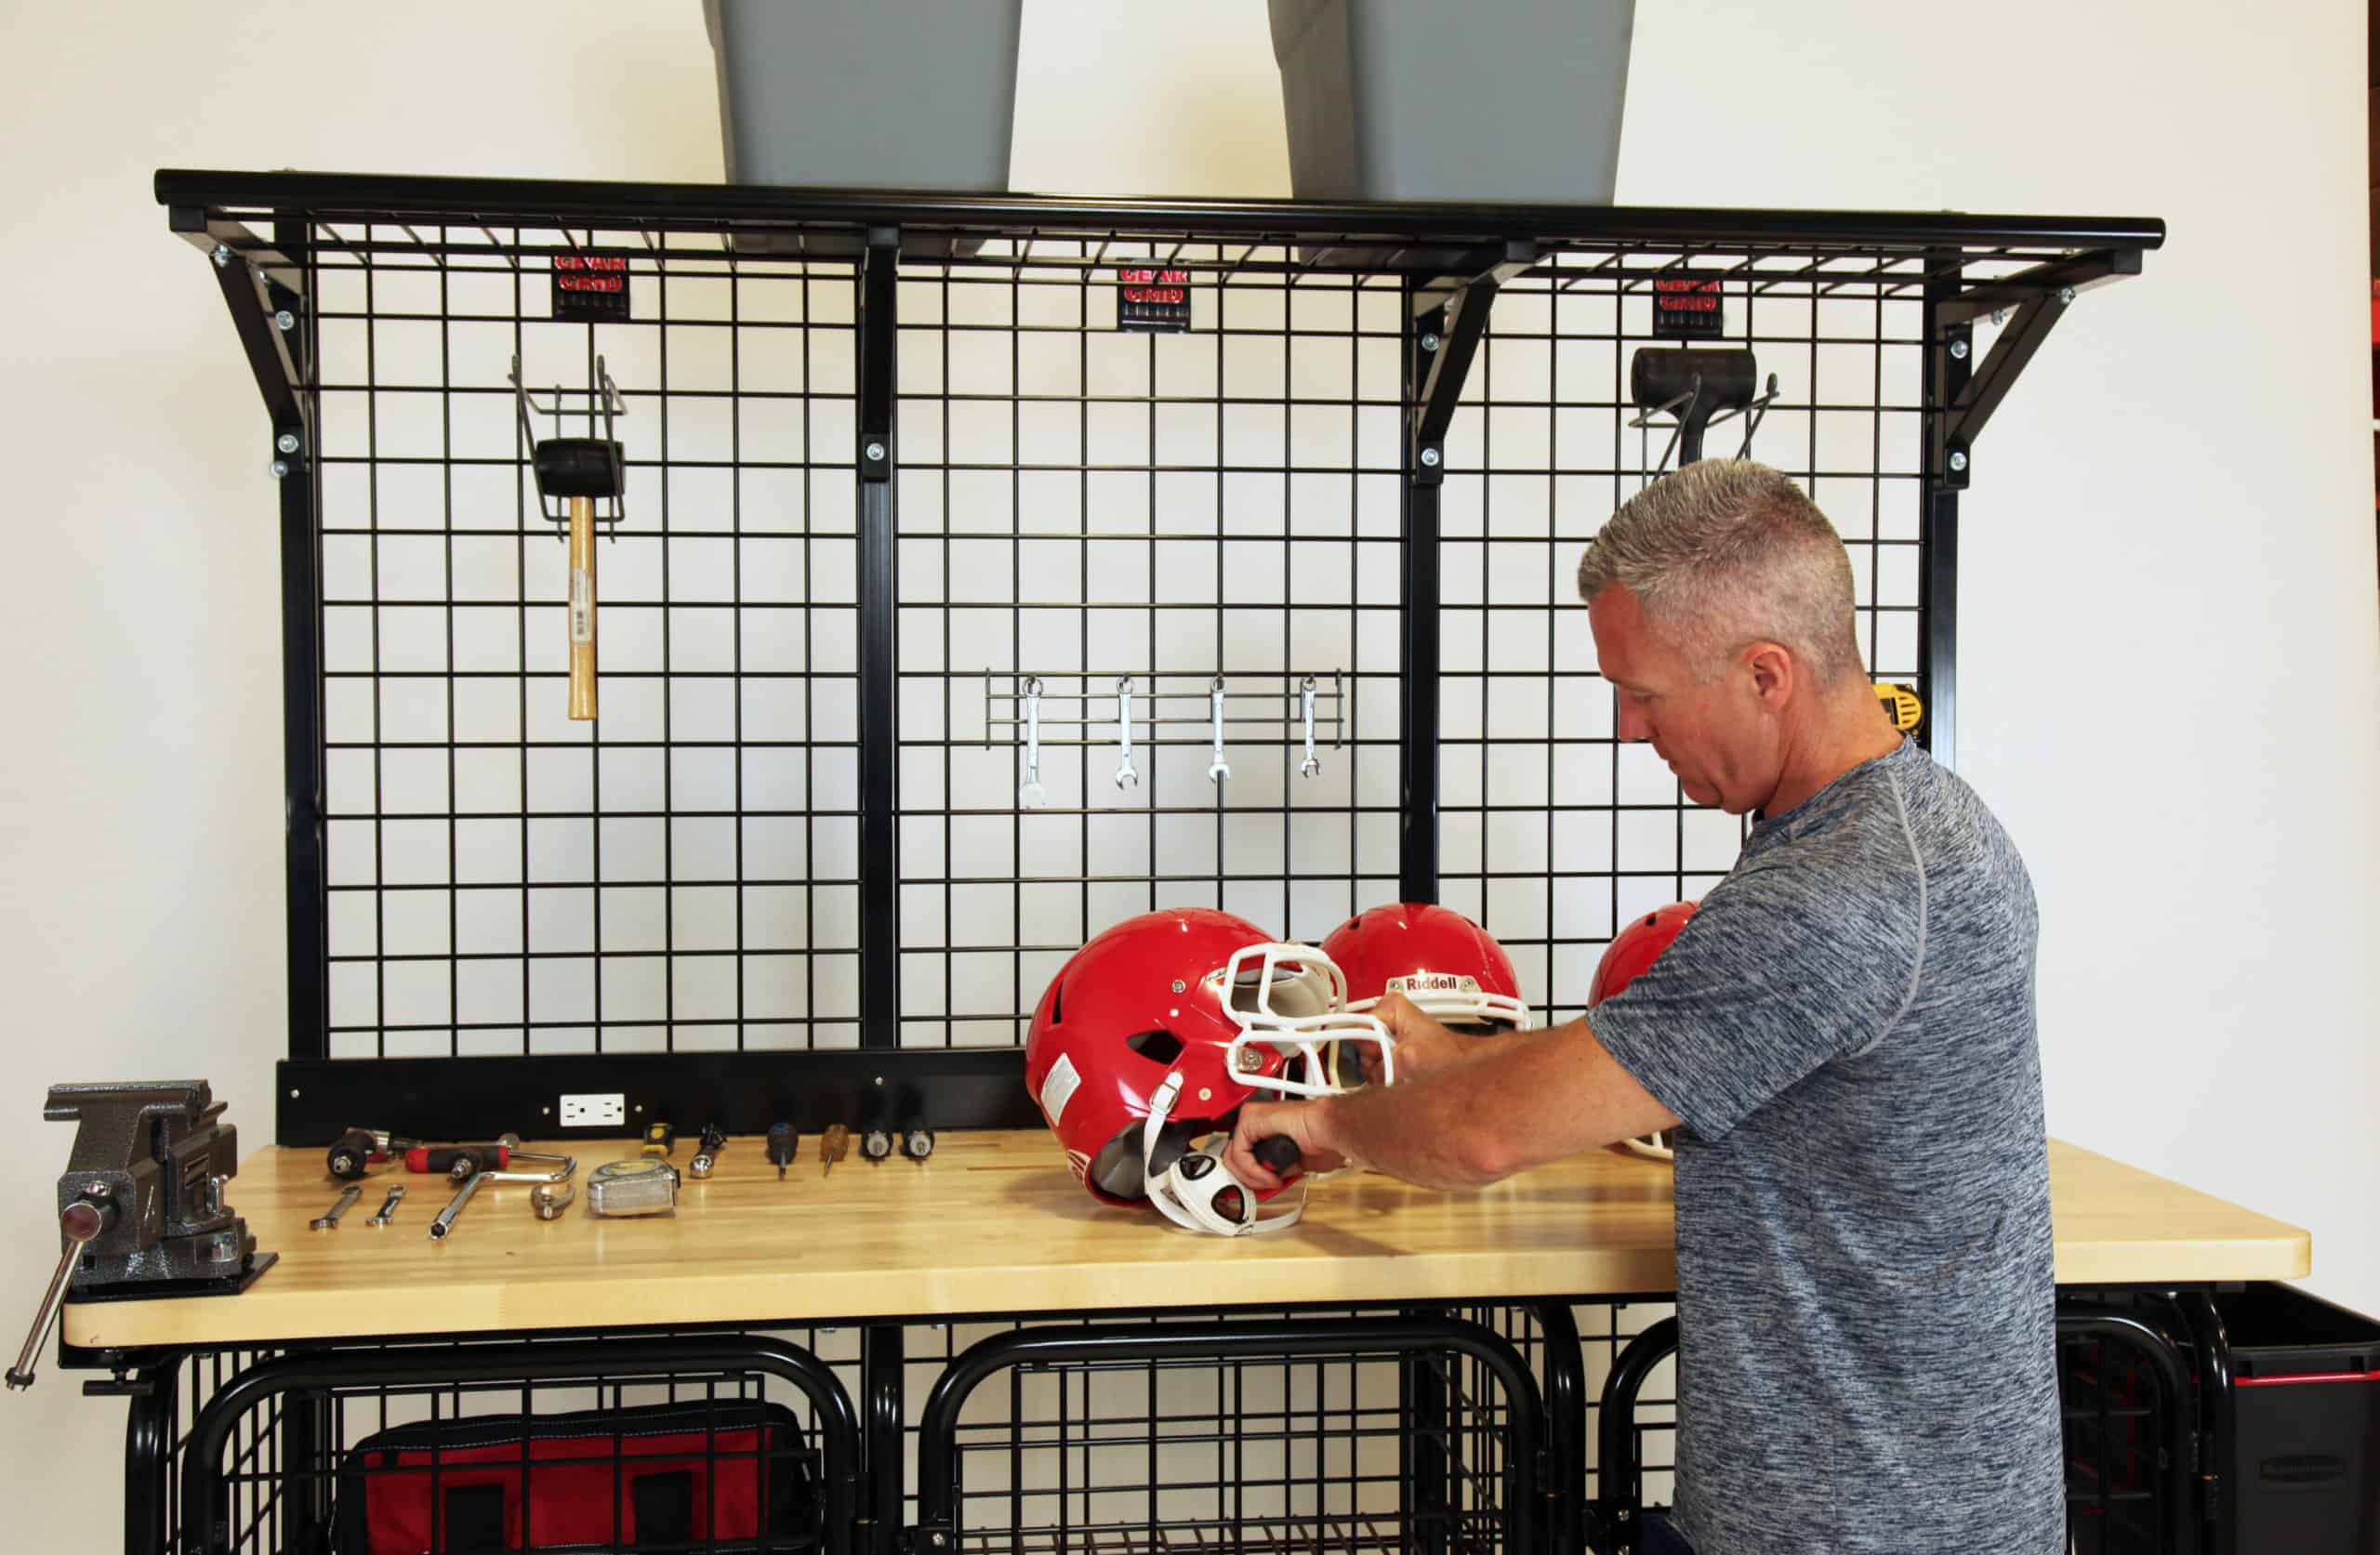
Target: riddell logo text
1432 983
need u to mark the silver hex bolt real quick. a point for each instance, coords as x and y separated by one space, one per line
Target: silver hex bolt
1430 457
222 256
279 468
1958 460
287 442
285 321
1429 342
875 453
1959 351
2065 296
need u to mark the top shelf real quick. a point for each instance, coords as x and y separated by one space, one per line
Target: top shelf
1887 250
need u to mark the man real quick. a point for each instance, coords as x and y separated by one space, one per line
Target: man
1846 1031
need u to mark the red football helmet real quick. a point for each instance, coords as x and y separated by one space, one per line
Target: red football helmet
1452 969
1633 950
1150 1037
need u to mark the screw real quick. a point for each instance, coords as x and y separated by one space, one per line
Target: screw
2065 296
1999 316
1959 351
294 1093
97 1190
280 467
1429 342
875 453
1958 460
1430 458
287 442
1180 986
222 257
285 320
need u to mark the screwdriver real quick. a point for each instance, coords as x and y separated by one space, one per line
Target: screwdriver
833 1145
782 1140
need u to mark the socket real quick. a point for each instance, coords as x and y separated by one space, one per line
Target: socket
609 1110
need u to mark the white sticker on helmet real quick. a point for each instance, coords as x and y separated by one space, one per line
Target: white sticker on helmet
1058 1087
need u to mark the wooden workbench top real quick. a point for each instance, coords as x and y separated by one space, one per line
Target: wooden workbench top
994 1223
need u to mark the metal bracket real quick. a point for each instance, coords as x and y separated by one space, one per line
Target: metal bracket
879 279
605 398
1680 409
1972 392
1449 316
257 298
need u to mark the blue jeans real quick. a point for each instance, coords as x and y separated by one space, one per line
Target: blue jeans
1662 1539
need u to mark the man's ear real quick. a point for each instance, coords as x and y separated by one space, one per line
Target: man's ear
1775 675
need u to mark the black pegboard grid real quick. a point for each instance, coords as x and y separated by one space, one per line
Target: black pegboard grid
1066 500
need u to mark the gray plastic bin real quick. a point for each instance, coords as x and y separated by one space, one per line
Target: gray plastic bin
1485 102
866 94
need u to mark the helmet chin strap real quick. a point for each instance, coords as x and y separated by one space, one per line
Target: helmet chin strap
1186 1192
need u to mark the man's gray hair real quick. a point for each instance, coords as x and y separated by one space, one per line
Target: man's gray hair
1727 552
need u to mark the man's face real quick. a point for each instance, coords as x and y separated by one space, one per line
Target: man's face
1712 733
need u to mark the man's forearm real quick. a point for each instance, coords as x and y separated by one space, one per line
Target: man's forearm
1537 1097
1414 1131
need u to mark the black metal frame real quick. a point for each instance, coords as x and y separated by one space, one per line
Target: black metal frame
301 1378
1451 262
177 1484
2174 1336
1445 267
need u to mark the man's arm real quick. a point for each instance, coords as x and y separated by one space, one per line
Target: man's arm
1537 1097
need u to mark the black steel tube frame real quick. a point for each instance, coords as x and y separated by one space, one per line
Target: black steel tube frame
2185 1534
148 1457
1948 357
882 1363
1526 1488
2218 1418
1565 1425
333 196
206 1529
1619 1511
879 885
259 303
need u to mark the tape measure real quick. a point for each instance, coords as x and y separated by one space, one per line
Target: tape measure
1901 705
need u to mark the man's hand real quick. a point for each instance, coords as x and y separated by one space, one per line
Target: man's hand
1301 1122
1421 1044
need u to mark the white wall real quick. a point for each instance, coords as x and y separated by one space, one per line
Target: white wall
2170 664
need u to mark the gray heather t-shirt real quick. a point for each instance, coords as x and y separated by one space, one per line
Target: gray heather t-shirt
1865 1298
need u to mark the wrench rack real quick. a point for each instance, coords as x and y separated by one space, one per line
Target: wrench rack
1314 714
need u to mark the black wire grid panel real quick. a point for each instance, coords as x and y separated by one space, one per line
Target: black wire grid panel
1096 531
1069 1433
1316 1433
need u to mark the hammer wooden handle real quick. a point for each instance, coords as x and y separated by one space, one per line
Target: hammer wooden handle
582 607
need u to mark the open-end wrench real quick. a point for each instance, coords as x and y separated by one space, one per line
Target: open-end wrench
1312 764
1030 796
330 1222
1124 774
1218 768
388 1205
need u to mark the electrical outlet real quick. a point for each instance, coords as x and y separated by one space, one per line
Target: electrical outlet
609 1111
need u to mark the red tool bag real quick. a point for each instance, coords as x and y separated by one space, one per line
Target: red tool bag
730 1475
